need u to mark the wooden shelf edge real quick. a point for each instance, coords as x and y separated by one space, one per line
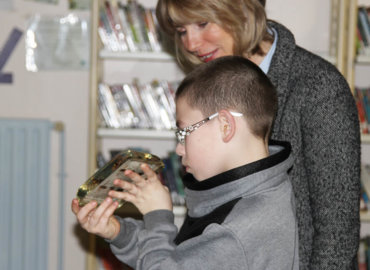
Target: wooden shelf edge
137 133
144 56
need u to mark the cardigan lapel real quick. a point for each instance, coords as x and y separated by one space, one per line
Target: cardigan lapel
280 70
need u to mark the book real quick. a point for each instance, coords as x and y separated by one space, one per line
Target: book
134 105
359 42
365 181
108 107
152 31
111 8
107 36
166 104
130 39
126 116
359 98
169 176
129 27
152 107
366 102
133 97
135 19
362 265
178 173
364 25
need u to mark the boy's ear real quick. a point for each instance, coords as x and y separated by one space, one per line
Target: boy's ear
227 125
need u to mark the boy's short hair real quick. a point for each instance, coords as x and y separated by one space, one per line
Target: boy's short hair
236 84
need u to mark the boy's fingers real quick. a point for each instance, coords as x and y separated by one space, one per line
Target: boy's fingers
148 171
104 207
126 186
135 177
86 210
75 206
126 196
110 210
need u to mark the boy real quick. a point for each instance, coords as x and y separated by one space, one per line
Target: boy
240 202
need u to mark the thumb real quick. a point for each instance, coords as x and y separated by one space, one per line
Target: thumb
75 206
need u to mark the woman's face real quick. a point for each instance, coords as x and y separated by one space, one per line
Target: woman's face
206 40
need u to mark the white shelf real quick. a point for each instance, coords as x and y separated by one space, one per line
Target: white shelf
179 211
137 133
365 216
137 56
363 59
365 138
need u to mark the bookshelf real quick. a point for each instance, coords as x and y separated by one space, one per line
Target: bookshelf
121 67
136 133
137 56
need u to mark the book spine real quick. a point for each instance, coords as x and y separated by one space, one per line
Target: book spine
361 110
365 25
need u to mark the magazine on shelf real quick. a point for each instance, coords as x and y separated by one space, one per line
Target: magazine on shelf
105 33
111 8
363 31
362 111
166 104
127 117
128 27
136 103
130 40
134 11
108 107
151 29
151 106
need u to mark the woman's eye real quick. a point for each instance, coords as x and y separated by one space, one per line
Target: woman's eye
202 24
181 31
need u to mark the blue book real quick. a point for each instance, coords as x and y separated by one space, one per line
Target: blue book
364 23
366 103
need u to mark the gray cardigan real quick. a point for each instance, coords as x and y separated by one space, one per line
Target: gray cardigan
318 116
240 219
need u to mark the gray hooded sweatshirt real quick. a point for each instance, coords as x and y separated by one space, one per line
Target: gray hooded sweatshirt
240 219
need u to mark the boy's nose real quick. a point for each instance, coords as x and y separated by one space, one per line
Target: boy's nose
180 149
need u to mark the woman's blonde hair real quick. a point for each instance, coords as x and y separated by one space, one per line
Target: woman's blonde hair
244 20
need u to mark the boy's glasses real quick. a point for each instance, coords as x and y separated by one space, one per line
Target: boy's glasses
182 133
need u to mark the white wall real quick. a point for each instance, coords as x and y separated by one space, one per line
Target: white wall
308 20
57 96
63 96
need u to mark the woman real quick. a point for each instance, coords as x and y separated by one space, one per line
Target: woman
317 114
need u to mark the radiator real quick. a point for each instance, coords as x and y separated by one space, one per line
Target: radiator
24 193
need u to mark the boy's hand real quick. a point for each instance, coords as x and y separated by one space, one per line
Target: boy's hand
98 220
147 195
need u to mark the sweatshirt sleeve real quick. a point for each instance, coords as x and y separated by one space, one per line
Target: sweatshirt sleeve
139 240
124 246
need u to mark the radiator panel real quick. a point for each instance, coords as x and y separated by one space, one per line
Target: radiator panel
24 198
